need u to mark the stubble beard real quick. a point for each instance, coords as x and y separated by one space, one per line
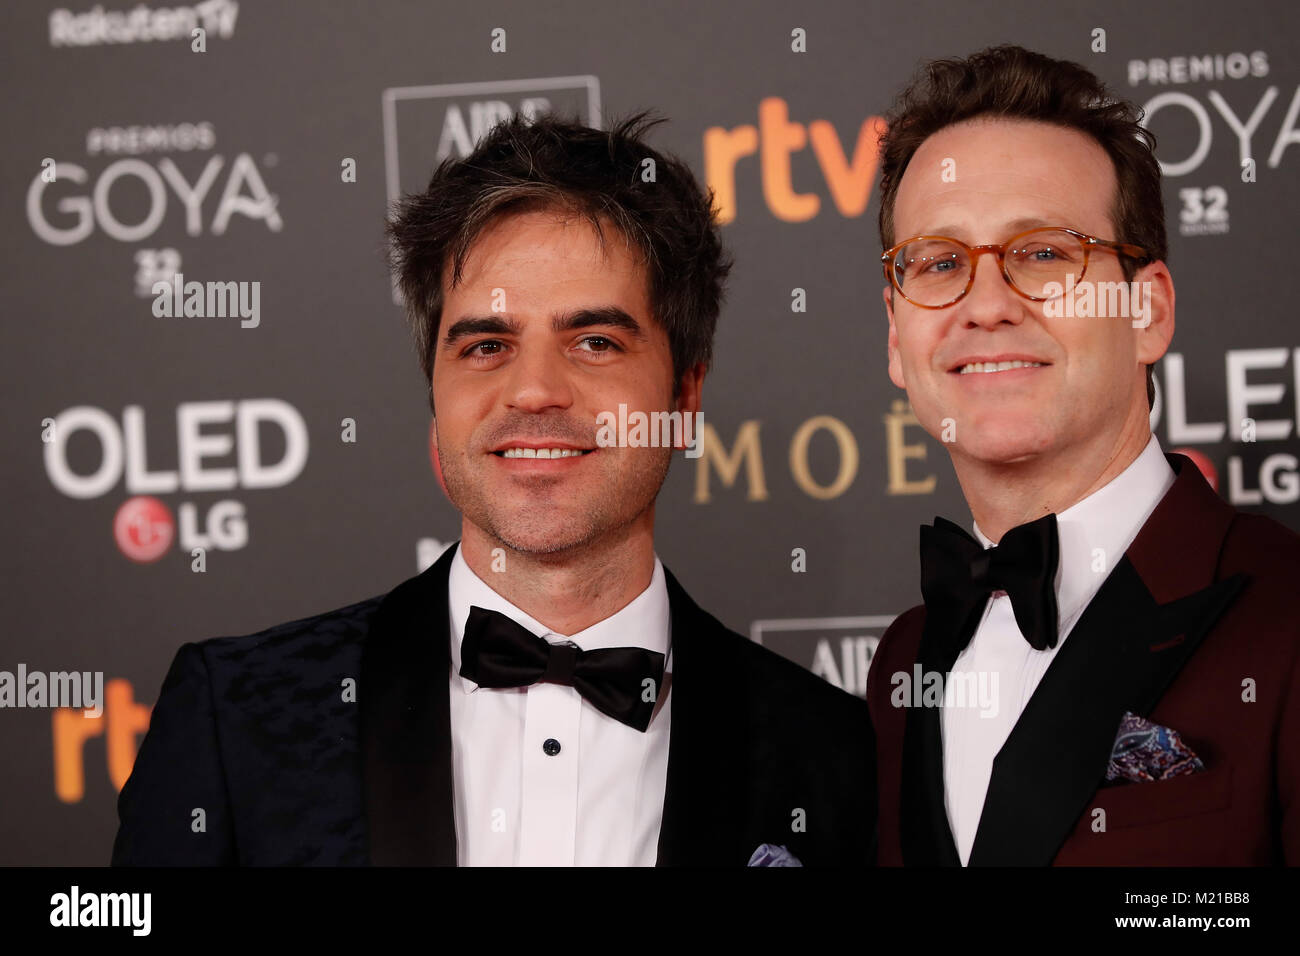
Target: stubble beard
530 524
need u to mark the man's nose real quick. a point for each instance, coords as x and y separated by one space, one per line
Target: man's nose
539 378
991 301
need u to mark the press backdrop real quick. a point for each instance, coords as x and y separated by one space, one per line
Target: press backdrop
131 438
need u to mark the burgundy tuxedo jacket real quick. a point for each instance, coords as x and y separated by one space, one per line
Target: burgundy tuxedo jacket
1196 628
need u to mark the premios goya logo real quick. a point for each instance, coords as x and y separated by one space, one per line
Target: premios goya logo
220 446
128 198
1210 110
144 184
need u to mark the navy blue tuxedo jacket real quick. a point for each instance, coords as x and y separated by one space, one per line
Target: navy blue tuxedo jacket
256 732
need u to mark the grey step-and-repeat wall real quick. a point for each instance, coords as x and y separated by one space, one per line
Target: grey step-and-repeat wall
129 439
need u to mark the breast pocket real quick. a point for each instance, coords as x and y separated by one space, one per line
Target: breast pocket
1142 804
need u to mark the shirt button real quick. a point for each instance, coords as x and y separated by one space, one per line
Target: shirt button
551 747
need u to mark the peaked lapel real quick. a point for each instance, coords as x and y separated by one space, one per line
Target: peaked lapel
405 724
405 732
924 835
1121 656
1146 620
708 796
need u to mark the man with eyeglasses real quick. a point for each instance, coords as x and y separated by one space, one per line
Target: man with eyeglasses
1139 637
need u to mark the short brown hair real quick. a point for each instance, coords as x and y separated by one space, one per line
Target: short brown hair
550 162
1010 82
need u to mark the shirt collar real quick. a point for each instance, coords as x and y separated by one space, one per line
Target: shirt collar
1095 532
643 622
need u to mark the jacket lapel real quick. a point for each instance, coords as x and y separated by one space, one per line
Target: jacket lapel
405 732
925 836
405 724
707 791
1136 634
1121 656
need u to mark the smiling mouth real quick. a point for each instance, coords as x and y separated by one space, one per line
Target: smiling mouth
542 452
973 368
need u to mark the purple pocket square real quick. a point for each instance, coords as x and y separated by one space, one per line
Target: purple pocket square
769 855
1145 752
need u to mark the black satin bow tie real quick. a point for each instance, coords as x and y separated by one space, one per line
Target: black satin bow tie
957 575
620 682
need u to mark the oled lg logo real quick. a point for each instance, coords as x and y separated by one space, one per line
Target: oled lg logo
1260 386
144 527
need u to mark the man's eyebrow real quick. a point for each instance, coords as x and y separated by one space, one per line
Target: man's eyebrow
479 325
1011 228
607 315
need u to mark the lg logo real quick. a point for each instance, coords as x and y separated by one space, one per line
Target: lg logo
144 527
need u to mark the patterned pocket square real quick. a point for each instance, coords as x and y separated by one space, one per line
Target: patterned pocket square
1145 752
769 855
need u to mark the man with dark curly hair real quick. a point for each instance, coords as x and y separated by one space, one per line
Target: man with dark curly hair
546 693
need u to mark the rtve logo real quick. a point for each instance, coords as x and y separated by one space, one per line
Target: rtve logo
121 724
775 139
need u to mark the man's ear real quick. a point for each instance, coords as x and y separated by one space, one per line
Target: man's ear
895 359
691 390
1155 330
690 393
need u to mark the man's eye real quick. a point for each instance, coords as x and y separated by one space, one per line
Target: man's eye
483 349
599 343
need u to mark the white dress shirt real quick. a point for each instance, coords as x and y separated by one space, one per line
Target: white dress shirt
1094 534
599 800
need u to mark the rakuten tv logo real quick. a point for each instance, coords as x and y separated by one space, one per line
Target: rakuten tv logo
219 446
